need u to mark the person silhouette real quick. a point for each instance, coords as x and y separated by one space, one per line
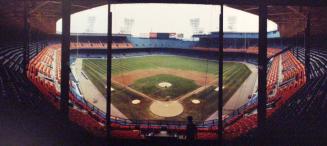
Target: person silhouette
191 129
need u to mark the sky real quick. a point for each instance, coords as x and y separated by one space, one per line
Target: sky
163 18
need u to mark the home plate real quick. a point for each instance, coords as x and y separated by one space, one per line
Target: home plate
166 108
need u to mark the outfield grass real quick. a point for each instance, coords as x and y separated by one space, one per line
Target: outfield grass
149 86
150 62
234 76
175 62
96 68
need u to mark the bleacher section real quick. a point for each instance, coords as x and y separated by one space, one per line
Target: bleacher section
101 45
84 41
161 43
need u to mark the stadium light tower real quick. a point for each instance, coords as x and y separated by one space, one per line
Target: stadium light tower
91 21
231 23
128 25
195 24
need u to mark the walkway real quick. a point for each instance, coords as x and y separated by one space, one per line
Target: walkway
90 92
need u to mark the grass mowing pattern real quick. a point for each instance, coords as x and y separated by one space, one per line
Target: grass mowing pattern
149 86
174 62
233 79
95 69
234 76
150 62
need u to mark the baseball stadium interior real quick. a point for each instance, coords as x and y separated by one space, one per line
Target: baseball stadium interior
60 87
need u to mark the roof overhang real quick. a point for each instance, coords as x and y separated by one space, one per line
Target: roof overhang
290 15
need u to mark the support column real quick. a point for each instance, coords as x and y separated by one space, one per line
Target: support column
262 72
220 75
297 45
307 47
38 43
26 39
65 48
109 59
297 52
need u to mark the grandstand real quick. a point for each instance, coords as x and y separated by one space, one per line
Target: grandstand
242 88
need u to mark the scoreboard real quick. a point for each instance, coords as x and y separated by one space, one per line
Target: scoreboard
156 35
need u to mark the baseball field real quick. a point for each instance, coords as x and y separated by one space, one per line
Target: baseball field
190 82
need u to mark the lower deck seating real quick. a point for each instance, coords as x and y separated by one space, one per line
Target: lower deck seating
11 54
317 60
26 119
44 72
295 110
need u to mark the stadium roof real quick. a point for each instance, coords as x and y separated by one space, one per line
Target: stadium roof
291 19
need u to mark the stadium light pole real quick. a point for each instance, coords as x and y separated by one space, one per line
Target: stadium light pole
307 47
262 72
220 76
65 48
26 39
109 57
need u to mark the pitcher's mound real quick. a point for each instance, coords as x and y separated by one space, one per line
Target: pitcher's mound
164 85
166 108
